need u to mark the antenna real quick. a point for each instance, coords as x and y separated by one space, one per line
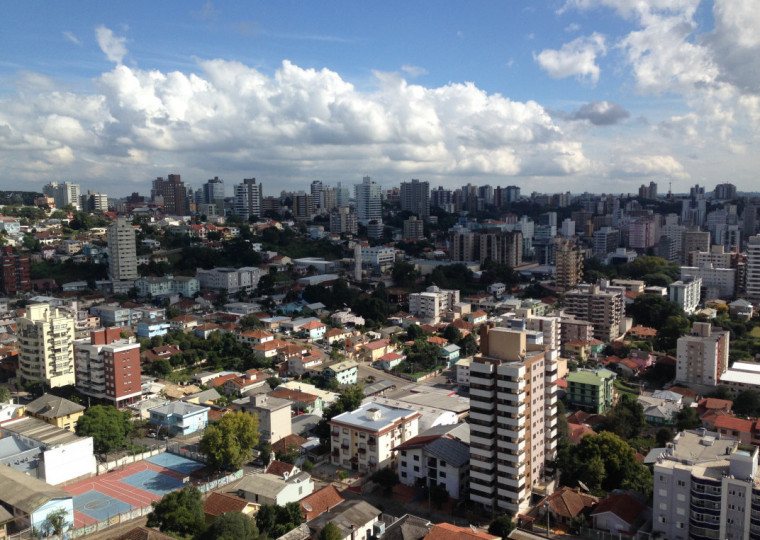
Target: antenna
584 487
306 506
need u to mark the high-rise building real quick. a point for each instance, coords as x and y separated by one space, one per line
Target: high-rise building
442 198
369 205
248 199
694 241
414 228
173 192
46 346
602 305
329 199
303 206
606 241
16 272
686 293
213 193
415 197
316 194
503 247
66 193
122 259
569 262
725 192
513 419
343 194
752 278
108 367
642 232
94 202
343 221
702 355
706 486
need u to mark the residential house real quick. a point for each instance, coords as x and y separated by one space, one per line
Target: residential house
274 415
218 503
364 439
447 531
659 411
269 349
302 402
356 520
389 361
477 317
304 362
179 417
56 411
152 328
438 456
450 354
205 397
344 372
568 504
183 322
373 350
345 317
463 371
204 331
270 489
254 337
320 502
619 514
336 335
313 330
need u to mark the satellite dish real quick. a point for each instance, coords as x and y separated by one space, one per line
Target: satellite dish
306 506
584 487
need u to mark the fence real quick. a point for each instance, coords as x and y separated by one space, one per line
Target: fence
126 460
189 451
134 513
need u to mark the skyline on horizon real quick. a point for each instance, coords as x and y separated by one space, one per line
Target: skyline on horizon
572 95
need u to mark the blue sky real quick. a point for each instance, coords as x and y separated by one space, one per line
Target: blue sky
580 95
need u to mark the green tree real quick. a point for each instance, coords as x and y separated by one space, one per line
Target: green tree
687 419
274 521
626 418
653 310
231 526
230 443
387 478
664 435
107 426
604 462
179 513
747 403
468 346
5 395
452 334
250 321
668 333
330 532
404 274
274 382
56 521
501 526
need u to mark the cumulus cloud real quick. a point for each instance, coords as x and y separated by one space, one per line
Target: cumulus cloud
600 113
114 47
576 58
229 116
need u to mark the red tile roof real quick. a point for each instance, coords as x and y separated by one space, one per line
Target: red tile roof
287 442
578 431
447 531
220 503
735 424
279 468
320 502
294 395
570 502
622 505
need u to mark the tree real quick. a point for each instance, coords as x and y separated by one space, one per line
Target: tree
107 426
687 419
179 513
501 526
468 346
229 443
330 532
403 274
274 382
274 521
604 462
747 403
664 436
56 521
626 419
452 334
387 478
231 526
5 395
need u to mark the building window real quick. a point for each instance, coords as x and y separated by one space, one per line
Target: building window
416 458
416 468
403 474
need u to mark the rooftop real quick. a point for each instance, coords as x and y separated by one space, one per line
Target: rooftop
386 416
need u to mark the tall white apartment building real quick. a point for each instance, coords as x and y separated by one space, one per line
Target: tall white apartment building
716 282
122 251
369 204
429 305
248 198
363 440
706 487
686 293
63 194
753 268
702 355
46 345
513 419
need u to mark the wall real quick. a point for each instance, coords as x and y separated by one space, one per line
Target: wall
68 462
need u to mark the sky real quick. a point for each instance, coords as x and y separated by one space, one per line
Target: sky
552 96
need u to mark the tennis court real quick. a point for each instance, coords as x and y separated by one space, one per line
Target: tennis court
176 463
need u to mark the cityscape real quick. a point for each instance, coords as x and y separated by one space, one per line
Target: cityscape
340 271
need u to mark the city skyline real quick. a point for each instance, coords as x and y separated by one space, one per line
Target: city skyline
575 95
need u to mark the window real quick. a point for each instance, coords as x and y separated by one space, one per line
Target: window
403 474
681 483
441 474
403 463
416 458
403 453
416 468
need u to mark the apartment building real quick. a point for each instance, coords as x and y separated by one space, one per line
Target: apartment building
513 419
108 368
363 440
569 263
716 282
16 272
753 268
432 303
415 197
46 345
702 355
706 487
122 251
602 305
232 280
686 293
591 391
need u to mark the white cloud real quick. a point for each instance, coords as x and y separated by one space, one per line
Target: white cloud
413 71
71 37
576 58
572 27
114 47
